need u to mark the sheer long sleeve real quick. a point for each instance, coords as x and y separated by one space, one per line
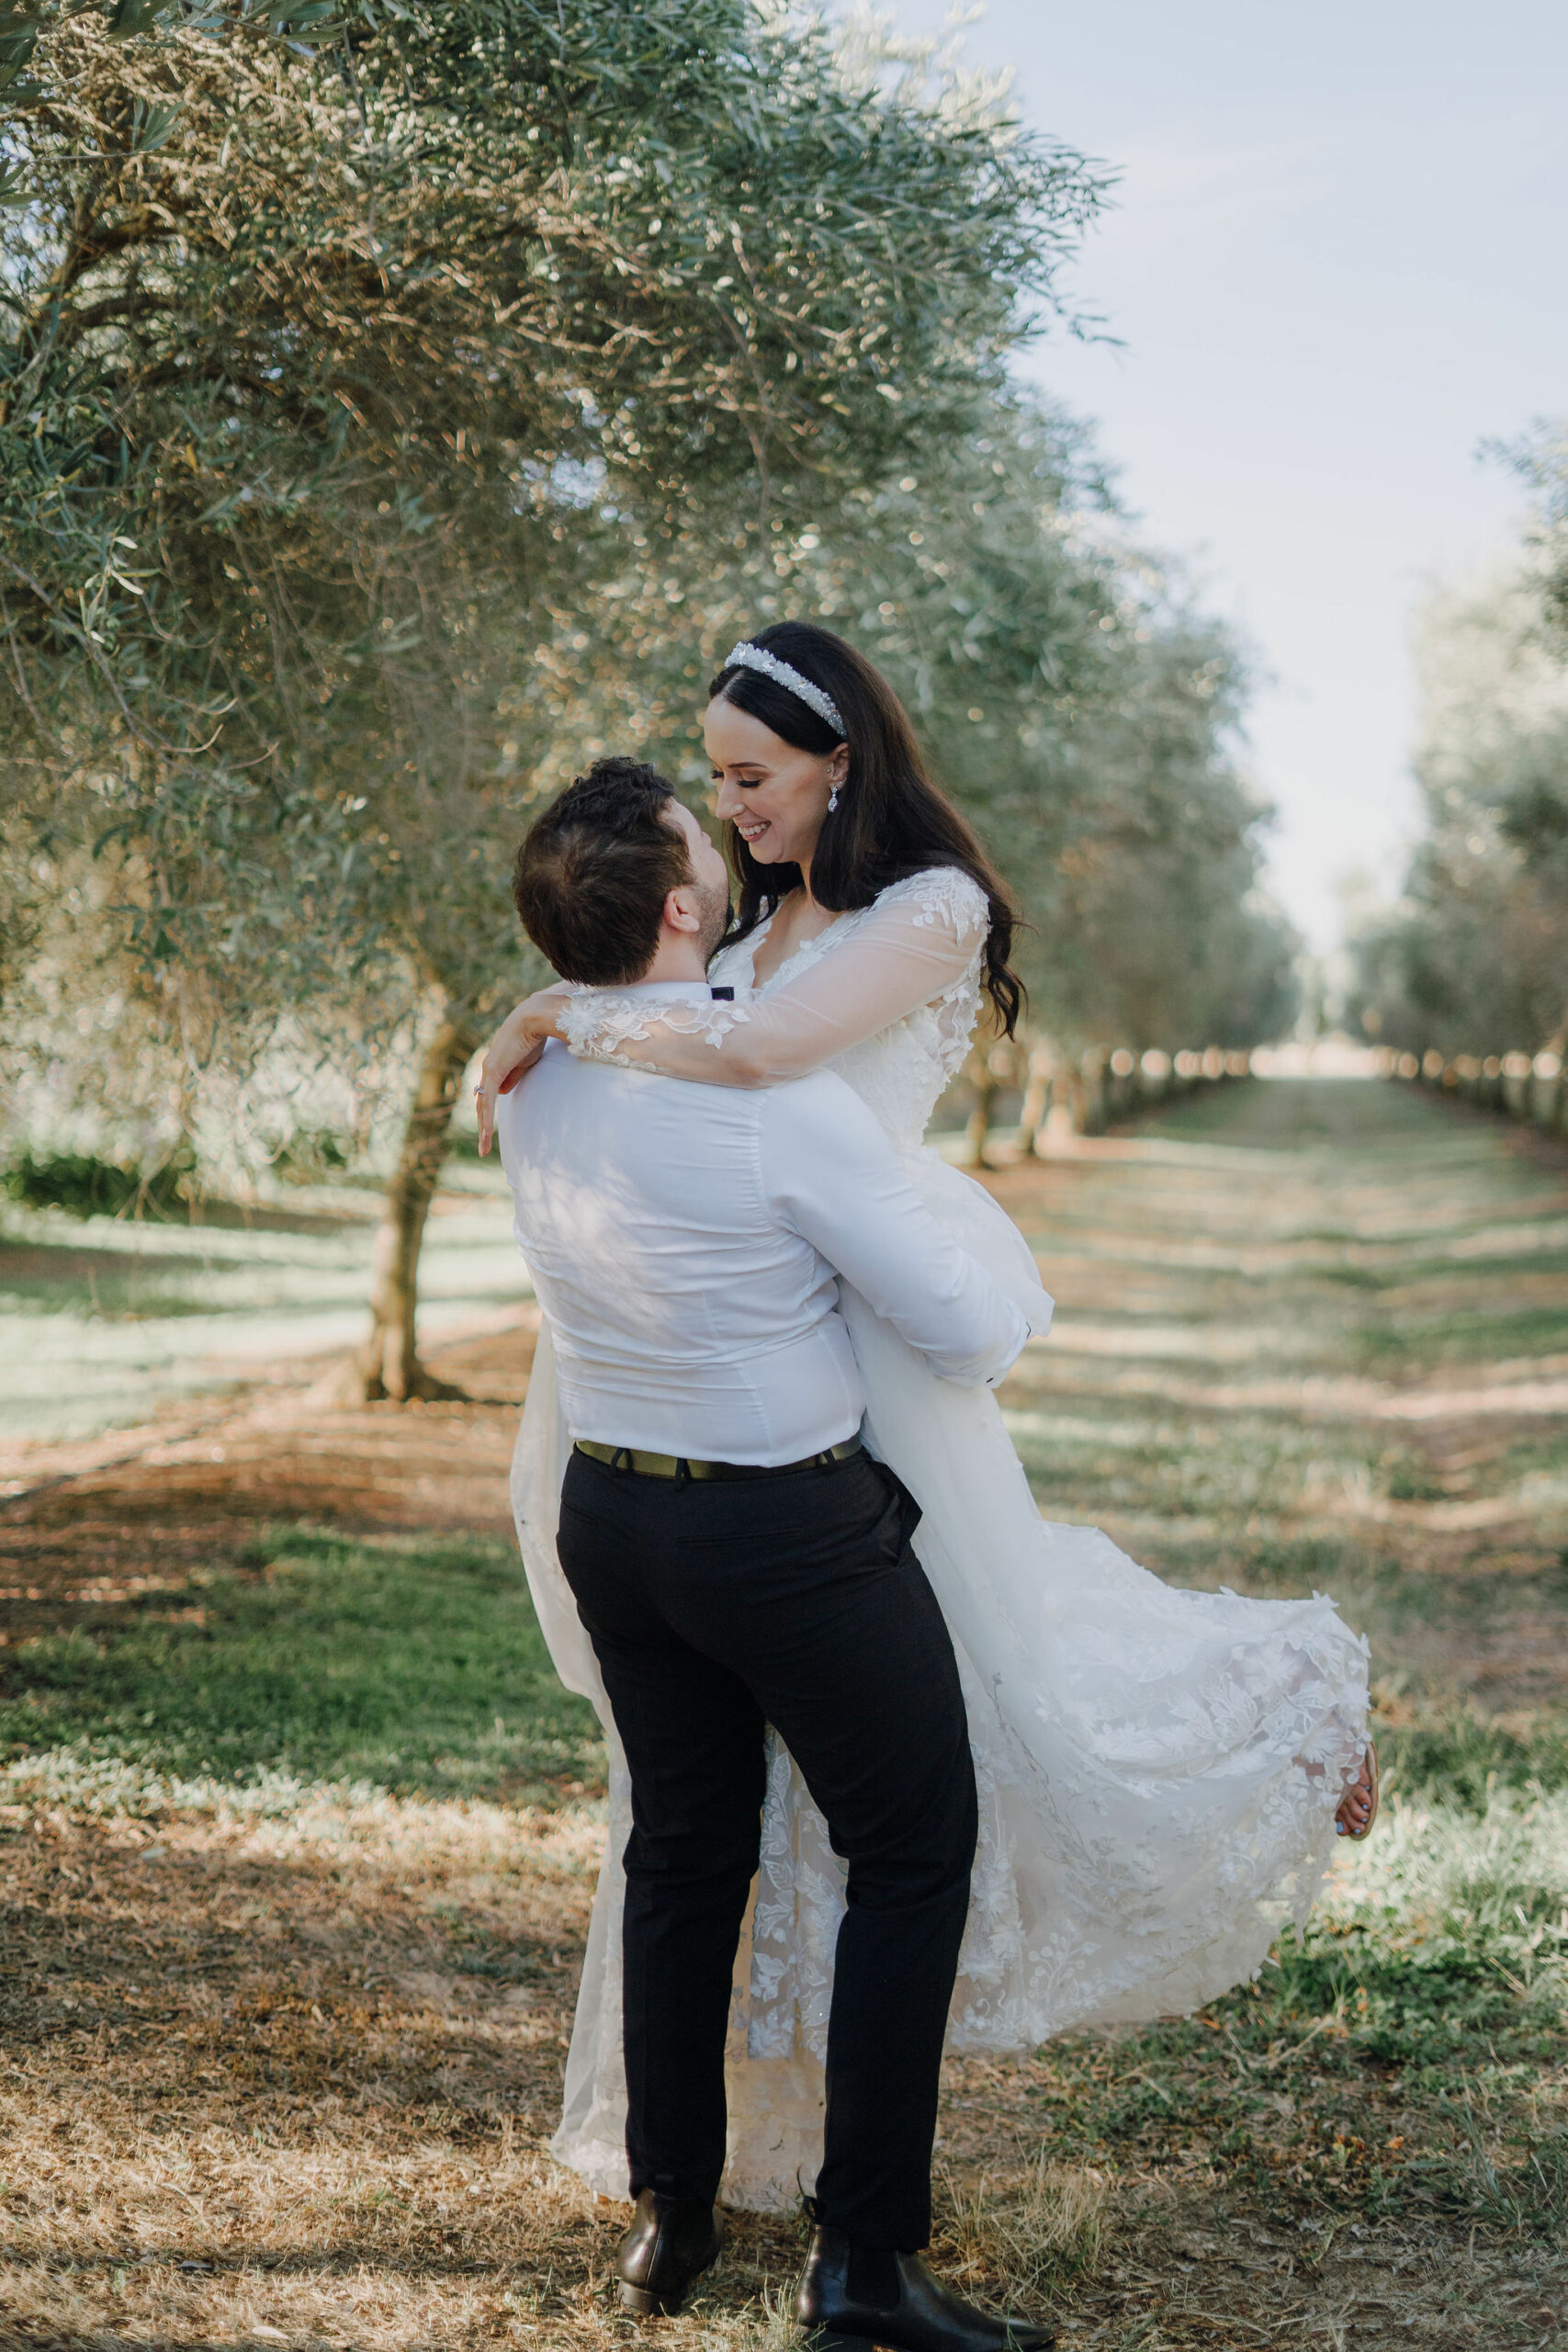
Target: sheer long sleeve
917 947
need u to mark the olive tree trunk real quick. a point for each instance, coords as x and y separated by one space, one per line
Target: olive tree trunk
984 1089
1090 1100
388 1363
983 1085
1038 1096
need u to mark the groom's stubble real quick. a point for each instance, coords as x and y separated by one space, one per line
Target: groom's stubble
717 915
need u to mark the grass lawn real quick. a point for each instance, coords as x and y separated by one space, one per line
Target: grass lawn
103 1315
300 1834
413 1664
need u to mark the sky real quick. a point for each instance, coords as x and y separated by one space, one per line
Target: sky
1336 265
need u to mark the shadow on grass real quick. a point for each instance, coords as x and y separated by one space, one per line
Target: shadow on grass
411 1664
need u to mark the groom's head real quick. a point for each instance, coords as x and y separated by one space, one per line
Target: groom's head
617 876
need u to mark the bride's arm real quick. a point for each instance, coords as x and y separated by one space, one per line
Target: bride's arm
513 1051
918 940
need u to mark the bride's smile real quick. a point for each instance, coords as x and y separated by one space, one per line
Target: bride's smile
772 793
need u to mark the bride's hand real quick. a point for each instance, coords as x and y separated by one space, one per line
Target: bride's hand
512 1052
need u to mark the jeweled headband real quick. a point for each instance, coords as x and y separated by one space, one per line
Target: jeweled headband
746 656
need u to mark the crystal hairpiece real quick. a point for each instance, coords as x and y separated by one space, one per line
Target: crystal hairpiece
746 656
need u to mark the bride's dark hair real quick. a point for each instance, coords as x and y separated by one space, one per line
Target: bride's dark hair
892 819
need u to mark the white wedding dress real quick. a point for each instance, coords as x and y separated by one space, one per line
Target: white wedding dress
1159 1770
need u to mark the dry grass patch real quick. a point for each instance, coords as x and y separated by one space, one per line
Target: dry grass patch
281 2066
1040 2236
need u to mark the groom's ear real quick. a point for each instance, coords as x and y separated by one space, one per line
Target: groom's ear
682 910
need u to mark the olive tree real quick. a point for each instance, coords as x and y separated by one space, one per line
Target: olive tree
1473 958
345 365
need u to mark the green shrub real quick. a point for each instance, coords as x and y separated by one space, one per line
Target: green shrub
84 1186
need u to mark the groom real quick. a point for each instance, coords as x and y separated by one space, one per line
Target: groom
737 1559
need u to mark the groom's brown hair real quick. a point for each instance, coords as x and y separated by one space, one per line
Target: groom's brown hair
594 871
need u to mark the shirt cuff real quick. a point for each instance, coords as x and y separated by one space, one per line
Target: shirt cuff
1020 1323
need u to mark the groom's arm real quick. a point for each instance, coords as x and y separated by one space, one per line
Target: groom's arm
832 1175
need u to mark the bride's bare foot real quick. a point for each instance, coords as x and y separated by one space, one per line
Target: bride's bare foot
1359 1805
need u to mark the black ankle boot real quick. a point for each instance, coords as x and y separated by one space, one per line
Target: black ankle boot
925 2318
672 2241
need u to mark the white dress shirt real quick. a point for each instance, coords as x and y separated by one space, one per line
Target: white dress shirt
683 1241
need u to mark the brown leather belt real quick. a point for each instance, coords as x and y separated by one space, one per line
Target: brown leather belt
678 1465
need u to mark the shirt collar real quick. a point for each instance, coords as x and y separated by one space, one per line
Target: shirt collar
670 991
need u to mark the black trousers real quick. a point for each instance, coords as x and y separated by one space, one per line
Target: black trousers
716 1608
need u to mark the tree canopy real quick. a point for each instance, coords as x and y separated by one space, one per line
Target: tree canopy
1472 959
395 408
321 357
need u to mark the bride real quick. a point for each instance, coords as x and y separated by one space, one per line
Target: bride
1161 1773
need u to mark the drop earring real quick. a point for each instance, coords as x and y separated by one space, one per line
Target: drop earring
832 800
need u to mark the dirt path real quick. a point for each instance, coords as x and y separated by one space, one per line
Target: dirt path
86 1528
279 2069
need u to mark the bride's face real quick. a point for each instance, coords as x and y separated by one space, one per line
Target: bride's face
775 794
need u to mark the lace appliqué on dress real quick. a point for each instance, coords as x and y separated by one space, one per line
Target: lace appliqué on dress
595 1023
918 945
